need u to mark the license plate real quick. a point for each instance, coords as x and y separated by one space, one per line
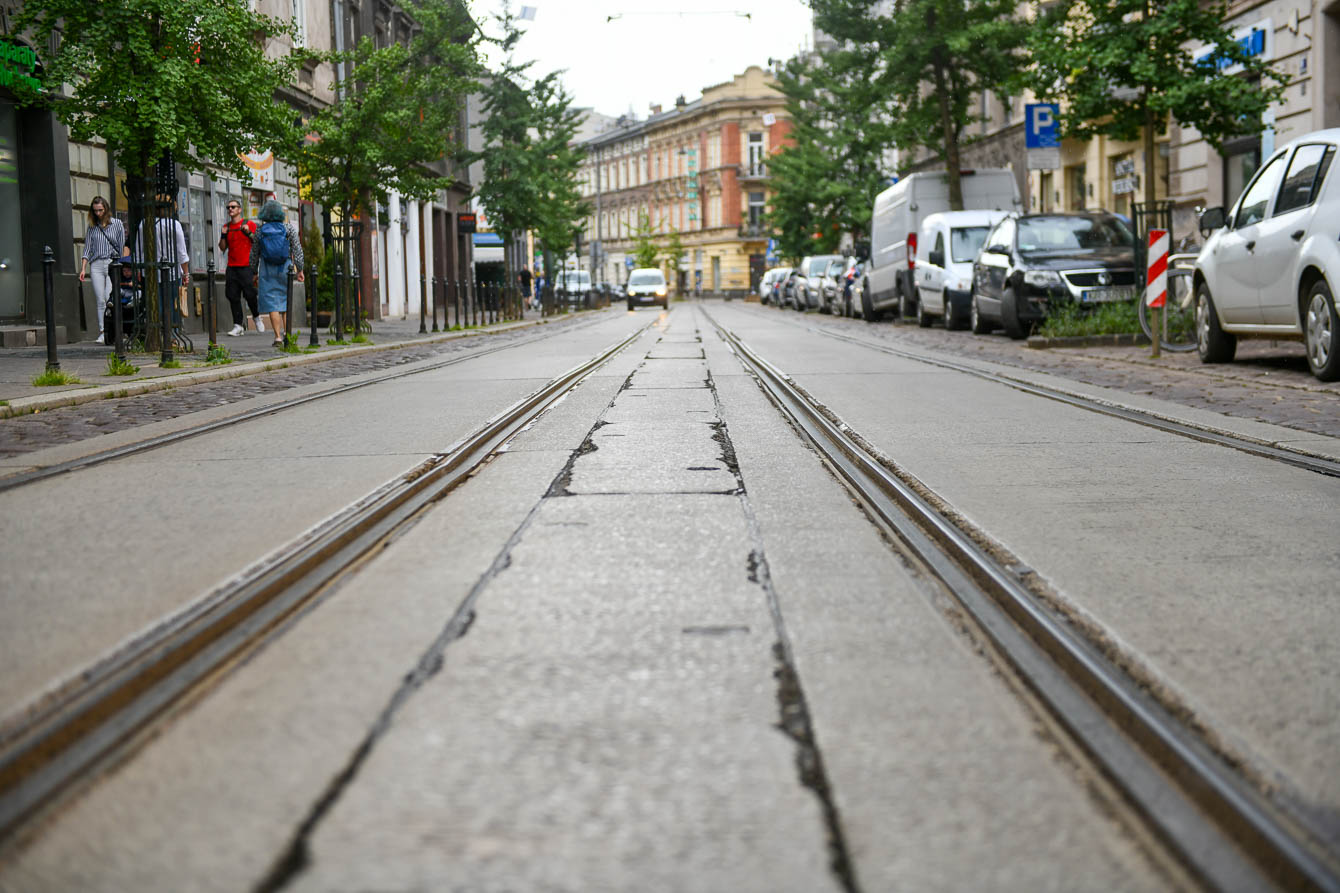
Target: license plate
1098 295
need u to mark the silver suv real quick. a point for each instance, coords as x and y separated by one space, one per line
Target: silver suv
1264 272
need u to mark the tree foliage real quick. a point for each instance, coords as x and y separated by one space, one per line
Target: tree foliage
824 183
646 253
928 62
392 128
190 77
1122 66
530 166
674 256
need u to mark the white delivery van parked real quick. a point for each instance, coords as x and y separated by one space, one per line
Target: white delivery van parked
946 247
899 210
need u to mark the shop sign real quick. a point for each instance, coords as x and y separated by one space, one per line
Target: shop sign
1123 185
1257 40
1125 167
18 65
262 167
465 223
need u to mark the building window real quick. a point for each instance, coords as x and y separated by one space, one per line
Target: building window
755 211
299 11
1075 187
1241 159
755 156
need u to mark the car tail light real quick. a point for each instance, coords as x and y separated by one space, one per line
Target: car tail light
911 251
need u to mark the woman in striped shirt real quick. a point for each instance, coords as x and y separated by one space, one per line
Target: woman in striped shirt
104 240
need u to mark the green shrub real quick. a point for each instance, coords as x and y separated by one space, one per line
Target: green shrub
118 366
53 377
1071 319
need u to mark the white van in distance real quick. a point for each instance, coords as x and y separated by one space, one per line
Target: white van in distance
946 247
889 283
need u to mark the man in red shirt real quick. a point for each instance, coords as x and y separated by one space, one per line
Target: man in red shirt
235 239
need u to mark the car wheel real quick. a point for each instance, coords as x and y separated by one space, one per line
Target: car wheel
1321 332
1009 316
976 323
1213 344
905 309
665 304
924 319
868 311
952 321
631 306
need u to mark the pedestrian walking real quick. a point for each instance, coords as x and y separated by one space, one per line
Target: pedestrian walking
276 247
235 239
524 276
172 256
104 241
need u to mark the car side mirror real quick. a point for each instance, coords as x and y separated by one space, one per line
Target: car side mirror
996 249
1212 219
937 259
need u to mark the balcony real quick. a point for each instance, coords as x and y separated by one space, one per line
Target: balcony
757 171
753 231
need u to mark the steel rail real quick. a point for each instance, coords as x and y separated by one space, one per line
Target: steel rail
1223 831
39 474
115 702
1306 461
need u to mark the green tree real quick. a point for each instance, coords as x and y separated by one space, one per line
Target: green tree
1120 67
646 253
393 124
825 183
674 257
930 60
530 168
189 78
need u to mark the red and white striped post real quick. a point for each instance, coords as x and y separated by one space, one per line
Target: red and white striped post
1156 288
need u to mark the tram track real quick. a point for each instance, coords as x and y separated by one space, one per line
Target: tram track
52 747
1226 832
21 479
1298 458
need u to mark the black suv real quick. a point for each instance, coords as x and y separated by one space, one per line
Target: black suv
1034 262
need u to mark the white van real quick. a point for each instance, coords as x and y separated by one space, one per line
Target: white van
896 220
947 244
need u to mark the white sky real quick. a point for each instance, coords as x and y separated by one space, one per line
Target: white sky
655 50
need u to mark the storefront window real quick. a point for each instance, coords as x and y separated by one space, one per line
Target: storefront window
1241 159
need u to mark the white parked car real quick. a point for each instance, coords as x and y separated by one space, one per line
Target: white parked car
946 247
1272 266
647 285
895 220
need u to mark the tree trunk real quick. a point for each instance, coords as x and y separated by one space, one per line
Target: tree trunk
950 132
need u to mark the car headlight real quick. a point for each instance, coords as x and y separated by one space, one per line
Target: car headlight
660 291
1042 278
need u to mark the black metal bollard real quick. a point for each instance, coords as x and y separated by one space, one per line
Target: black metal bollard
166 301
49 295
211 311
314 341
288 307
337 270
432 285
423 306
118 318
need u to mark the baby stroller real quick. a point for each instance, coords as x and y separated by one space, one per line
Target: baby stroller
131 297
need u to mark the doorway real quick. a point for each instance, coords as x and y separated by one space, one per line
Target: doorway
12 287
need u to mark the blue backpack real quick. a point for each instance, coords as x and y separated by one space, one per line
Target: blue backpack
274 242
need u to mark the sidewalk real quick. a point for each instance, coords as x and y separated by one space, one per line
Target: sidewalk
251 352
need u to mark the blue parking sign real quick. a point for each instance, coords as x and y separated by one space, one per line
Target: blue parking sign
1041 130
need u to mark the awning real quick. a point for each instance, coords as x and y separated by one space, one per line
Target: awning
487 239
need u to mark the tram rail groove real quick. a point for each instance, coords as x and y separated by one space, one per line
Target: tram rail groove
1221 829
111 705
21 479
1219 437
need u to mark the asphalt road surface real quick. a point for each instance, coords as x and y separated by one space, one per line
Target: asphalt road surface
653 643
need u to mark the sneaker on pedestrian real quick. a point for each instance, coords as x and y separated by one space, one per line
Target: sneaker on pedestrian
260 324
100 339
236 330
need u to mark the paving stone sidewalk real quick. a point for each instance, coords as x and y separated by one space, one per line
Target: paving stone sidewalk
67 424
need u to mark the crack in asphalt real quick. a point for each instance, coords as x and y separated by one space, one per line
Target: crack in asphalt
297 856
794 717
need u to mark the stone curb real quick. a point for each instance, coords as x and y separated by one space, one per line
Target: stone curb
38 402
1037 342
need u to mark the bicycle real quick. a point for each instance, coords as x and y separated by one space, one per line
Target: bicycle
1177 318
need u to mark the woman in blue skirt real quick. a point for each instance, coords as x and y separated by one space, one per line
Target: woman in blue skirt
274 247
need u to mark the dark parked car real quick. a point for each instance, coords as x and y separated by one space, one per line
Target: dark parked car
1036 261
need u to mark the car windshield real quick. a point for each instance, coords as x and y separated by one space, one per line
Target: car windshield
1041 235
965 242
835 267
646 277
577 280
817 267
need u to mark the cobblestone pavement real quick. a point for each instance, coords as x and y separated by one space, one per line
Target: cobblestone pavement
69 424
1269 381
